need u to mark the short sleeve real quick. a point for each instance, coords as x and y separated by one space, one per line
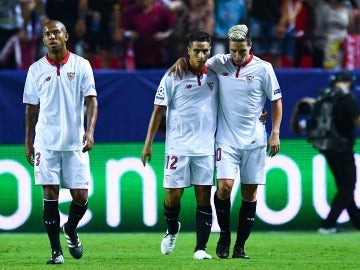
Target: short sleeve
88 81
30 95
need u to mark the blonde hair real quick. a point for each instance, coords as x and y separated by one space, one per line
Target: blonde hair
239 33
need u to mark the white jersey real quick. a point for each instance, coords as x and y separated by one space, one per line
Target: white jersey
60 91
242 94
191 112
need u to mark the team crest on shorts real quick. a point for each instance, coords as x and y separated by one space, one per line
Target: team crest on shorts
71 75
211 85
249 79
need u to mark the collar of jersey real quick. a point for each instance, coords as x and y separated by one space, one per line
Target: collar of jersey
245 63
63 61
203 71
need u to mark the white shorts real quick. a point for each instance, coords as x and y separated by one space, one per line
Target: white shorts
250 162
185 171
70 169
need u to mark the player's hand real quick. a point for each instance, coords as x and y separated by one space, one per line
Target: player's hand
146 154
29 153
263 116
179 68
273 146
88 142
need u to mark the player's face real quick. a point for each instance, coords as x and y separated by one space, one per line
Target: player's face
54 37
199 52
240 51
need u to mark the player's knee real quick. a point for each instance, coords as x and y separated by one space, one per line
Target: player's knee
224 191
248 192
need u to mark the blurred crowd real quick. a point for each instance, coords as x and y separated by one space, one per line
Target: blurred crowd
143 34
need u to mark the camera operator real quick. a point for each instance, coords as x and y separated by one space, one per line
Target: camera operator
346 117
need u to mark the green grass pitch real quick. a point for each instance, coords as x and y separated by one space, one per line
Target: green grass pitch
268 250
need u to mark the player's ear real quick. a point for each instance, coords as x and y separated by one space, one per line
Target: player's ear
66 36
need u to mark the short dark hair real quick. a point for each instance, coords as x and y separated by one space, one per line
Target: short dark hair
199 35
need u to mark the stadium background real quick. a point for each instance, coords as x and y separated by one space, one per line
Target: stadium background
126 197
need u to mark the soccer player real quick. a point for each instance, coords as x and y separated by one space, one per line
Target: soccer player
245 82
54 93
191 105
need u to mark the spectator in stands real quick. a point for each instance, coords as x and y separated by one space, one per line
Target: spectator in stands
14 38
189 15
333 21
227 14
268 24
101 30
177 42
71 12
201 16
292 9
304 31
147 26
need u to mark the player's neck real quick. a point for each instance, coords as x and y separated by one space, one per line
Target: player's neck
57 56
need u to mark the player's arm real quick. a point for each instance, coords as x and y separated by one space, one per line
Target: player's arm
263 116
276 116
154 123
31 118
178 68
92 113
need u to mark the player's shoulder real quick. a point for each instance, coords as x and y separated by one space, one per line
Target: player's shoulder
261 62
79 58
38 65
261 66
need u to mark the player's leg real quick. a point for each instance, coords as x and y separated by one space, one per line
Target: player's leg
78 208
51 218
76 177
171 214
246 219
227 168
203 219
252 174
222 206
202 178
47 174
176 178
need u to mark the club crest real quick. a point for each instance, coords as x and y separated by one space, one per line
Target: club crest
211 85
71 75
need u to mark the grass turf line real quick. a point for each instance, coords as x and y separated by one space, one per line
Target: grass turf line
105 251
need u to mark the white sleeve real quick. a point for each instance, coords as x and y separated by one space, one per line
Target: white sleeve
88 81
30 95
270 84
164 91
